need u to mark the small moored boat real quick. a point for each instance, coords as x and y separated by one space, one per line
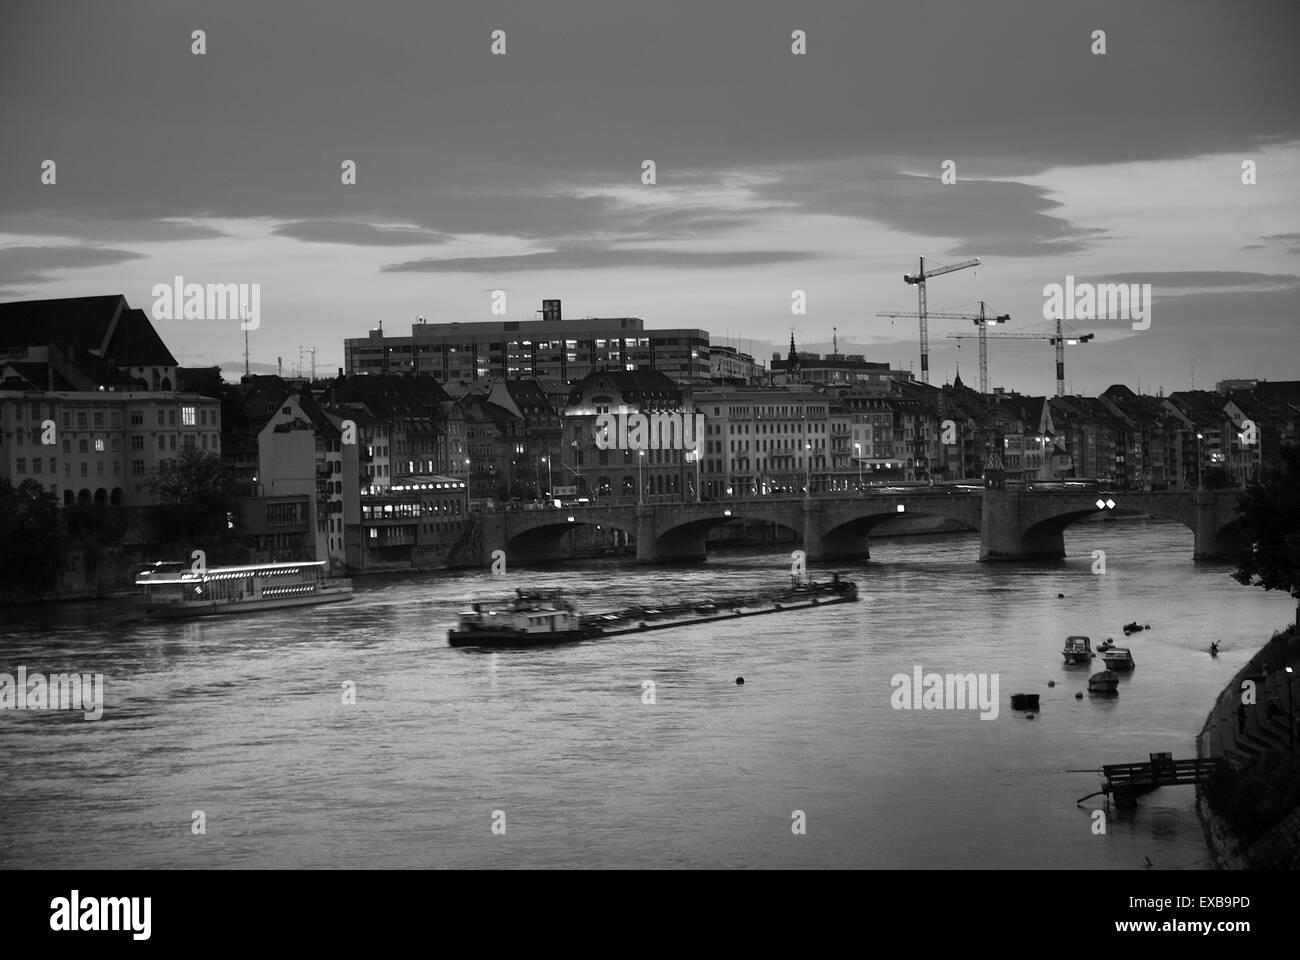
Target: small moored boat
1105 682
1078 650
1118 658
1024 701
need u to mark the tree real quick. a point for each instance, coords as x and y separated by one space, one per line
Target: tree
31 528
1269 514
197 492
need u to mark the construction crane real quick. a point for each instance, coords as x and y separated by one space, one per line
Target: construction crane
983 321
919 279
1059 339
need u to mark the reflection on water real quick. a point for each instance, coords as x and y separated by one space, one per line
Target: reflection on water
245 720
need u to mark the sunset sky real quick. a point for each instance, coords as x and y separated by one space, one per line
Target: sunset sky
775 172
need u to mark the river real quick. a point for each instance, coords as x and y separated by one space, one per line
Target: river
244 719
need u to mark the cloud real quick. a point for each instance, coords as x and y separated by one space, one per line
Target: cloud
1290 242
588 92
98 226
590 257
986 217
32 265
1200 281
359 234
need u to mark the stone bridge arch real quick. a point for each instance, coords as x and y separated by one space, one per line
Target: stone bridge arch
840 530
1017 526
686 540
539 536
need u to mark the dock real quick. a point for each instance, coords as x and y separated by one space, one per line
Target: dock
1128 780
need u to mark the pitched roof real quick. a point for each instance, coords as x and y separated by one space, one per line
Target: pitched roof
105 326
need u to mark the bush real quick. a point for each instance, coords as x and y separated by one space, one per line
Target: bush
1257 797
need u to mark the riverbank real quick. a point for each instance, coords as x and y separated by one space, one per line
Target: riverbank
1243 812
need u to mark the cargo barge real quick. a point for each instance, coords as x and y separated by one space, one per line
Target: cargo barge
547 617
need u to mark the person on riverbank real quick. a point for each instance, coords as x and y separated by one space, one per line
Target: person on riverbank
1241 718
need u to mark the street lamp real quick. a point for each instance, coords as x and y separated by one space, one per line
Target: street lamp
1199 438
640 477
695 455
808 456
1290 698
547 461
858 448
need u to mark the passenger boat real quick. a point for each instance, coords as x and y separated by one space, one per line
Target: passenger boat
1118 658
174 590
1105 682
1078 650
542 617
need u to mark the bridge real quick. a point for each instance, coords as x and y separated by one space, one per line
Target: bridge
1014 525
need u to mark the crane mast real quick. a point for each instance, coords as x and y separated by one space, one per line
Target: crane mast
918 279
981 319
1059 340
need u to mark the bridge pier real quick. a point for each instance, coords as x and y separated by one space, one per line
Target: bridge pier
683 544
841 543
1005 536
814 530
1214 539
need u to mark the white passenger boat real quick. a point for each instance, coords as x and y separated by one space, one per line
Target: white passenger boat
174 590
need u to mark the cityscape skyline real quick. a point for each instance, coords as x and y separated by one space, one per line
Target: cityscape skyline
478 172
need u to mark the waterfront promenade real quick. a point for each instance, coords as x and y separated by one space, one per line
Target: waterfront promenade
1224 736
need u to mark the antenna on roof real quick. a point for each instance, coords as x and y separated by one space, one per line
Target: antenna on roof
243 315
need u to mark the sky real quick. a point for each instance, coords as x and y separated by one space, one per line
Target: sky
775 172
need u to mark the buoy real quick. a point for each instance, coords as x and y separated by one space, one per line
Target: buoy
1051 683
1078 696
740 681
1060 596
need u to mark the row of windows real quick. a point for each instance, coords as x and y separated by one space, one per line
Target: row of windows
773 428
38 463
36 436
774 410
408 510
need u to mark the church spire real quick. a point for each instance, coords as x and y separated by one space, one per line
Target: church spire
792 360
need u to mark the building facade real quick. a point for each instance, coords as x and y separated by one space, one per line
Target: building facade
550 348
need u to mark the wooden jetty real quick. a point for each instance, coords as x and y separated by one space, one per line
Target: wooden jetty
1128 780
